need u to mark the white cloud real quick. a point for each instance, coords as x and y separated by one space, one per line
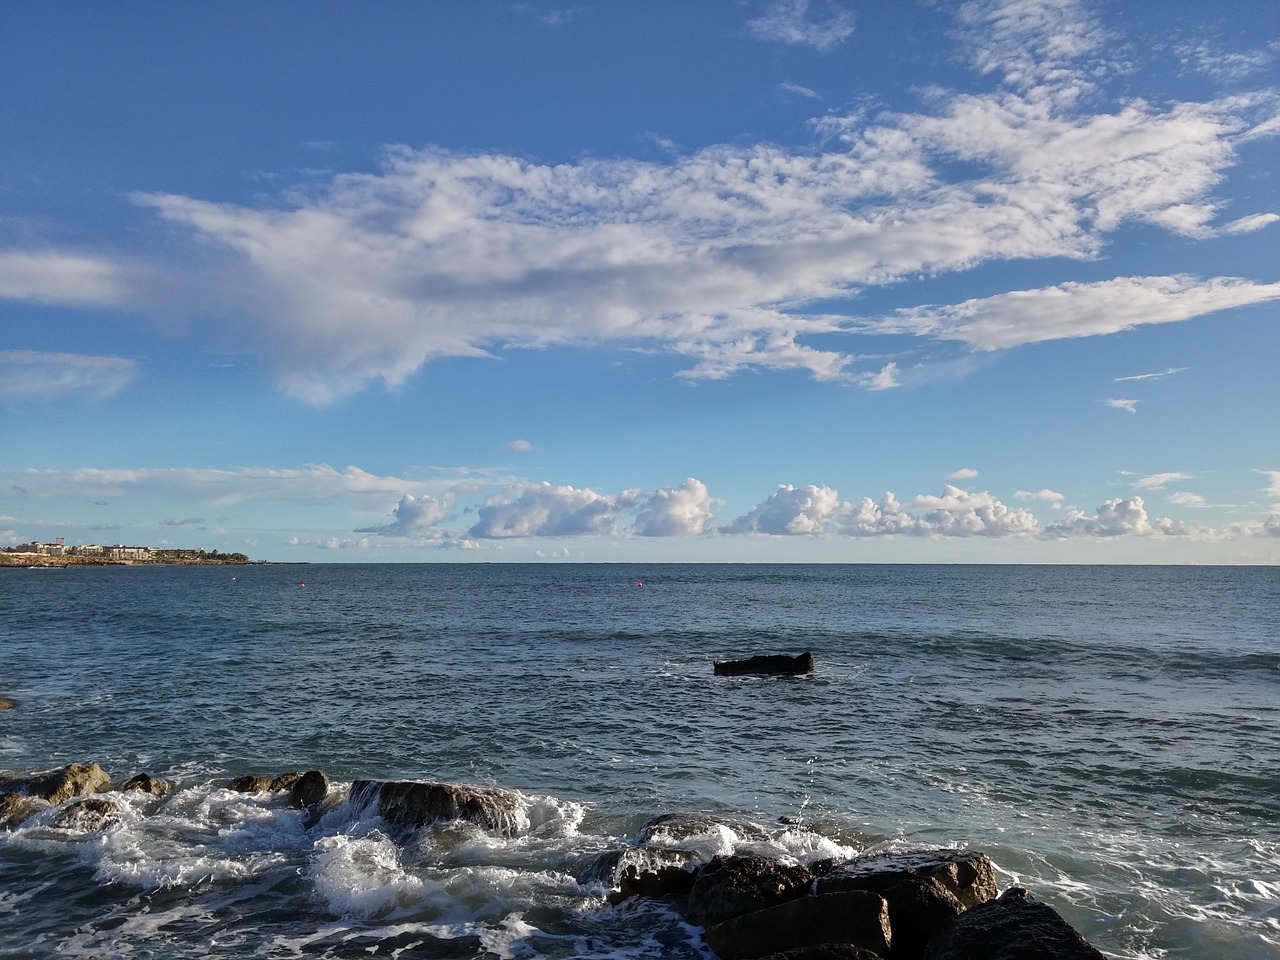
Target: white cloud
964 473
1251 223
1273 481
1152 376
958 513
520 446
58 278
1045 494
1128 406
822 24
413 517
1158 481
1076 310
790 511
675 511
798 90
719 256
870 519
1182 498
1203 57
1116 518
34 376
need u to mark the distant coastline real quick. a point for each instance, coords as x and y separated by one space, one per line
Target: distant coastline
13 559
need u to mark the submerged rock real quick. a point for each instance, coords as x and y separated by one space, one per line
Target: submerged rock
15 808
87 815
418 803
731 886
145 783
310 789
770 664
1014 927
856 917
59 786
6 704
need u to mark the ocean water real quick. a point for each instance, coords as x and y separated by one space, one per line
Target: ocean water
1110 736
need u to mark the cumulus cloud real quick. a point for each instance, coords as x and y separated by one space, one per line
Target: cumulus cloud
1045 494
958 513
34 376
790 511
1128 406
675 511
1273 484
964 473
822 24
1115 518
412 517
1158 481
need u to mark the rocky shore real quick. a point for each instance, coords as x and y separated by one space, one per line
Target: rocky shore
937 904
27 560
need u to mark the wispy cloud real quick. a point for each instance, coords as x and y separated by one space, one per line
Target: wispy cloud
821 24
519 446
34 376
798 90
1158 481
1153 376
1128 406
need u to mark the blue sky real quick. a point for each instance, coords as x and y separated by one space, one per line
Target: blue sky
734 280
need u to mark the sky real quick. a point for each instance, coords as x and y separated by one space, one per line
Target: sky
727 280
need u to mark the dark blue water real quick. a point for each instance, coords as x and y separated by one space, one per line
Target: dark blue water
1109 735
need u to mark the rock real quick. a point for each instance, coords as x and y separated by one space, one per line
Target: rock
6 704
88 815
732 886
918 909
145 783
655 883
417 803
250 783
15 808
1014 927
856 917
673 828
309 790
284 782
775 664
969 875
826 951
59 786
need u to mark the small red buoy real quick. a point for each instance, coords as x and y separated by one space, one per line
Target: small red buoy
639 584
301 585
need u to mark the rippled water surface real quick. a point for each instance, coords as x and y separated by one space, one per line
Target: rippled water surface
1109 735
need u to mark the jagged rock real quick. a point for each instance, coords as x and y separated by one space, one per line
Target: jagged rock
145 783
731 886
59 786
826 951
283 782
89 814
309 789
15 808
417 803
677 827
918 909
856 917
773 664
1014 927
969 875
250 783
655 883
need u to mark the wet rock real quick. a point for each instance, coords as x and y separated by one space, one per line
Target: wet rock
968 875
856 917
769 664
250 783
284 781
59 786
826 951
1014 927
418 803
675 828
918 910
6 704
15 808
731 886
88 815
309 790
145 783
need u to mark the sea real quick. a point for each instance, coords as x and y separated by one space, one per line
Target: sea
1108 735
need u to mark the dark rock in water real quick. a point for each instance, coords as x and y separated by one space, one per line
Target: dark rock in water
1015 927
969 876
857 917
59 786
918 909
145 783
669 827
310 789
417 803
283 782
655 883
825 951
88 815
15 808
771 664
250 783
732 886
